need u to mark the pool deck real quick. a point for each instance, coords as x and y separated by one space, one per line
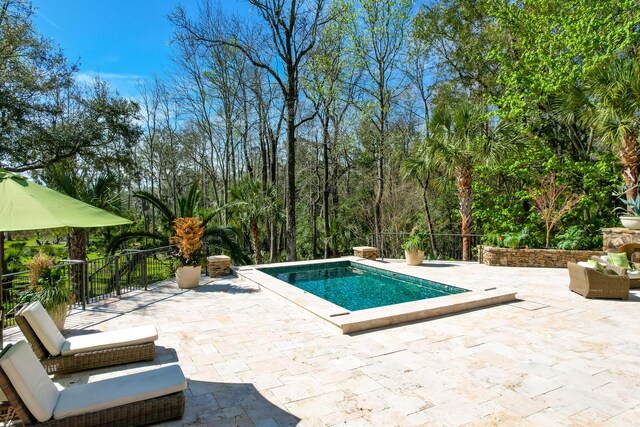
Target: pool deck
254 359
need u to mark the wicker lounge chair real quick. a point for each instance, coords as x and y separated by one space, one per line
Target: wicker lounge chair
131 400
59 354
593 284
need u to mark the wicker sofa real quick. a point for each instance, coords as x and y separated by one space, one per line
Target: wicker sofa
634 275
593 284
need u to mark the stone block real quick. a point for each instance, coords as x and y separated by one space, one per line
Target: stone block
218 265
367 252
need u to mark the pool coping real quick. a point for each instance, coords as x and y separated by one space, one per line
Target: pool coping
349 322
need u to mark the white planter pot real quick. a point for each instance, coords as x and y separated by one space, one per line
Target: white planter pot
631 222
188 277
59 316
414 257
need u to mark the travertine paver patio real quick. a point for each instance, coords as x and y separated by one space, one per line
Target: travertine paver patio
552 358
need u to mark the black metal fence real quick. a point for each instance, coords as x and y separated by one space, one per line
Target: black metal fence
447 246
97 279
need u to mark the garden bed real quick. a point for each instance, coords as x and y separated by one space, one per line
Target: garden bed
550 258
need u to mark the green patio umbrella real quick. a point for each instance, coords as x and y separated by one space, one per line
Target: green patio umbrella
25 205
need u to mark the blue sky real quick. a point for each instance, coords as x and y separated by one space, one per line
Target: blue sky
123 41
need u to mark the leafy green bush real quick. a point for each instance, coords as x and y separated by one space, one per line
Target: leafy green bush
516 240
574 238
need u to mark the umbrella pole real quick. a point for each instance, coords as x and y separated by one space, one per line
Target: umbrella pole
1 289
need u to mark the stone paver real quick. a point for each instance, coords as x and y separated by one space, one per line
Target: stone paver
253 359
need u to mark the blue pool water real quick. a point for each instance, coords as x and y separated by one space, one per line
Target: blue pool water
357 287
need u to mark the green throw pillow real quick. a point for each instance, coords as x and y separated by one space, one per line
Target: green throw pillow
596 265
619 260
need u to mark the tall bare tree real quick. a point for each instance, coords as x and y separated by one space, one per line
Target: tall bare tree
290 28
379 33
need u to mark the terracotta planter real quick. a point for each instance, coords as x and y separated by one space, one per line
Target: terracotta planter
631 222
414 257
188 277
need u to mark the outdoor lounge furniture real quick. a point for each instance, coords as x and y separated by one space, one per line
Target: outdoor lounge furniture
59 354
632 250
633 275
593 284
131 400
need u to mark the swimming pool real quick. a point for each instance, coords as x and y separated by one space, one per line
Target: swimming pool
334 290
356 286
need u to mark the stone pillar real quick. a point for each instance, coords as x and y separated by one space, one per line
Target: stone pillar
218 265
612 238
367 252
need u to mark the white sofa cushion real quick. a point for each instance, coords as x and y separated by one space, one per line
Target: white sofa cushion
30 380
43 326
586 264
110 339
112 392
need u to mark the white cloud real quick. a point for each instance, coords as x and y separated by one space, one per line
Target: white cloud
90 76
126 84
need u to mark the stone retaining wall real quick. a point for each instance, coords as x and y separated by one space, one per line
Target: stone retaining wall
533 257
612 238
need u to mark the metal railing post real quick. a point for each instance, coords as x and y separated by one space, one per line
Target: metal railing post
144 269
116 276
85 283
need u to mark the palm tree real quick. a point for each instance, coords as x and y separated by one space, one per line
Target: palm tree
613 93
459 140
215 236
251 203
101 192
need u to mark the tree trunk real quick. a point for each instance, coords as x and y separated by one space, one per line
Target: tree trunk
255 242
290 184
377 207
463 174
273 240
78 238
427 212
325 189
314 230
630 160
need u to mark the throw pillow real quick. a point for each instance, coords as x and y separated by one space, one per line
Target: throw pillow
596 265
619 260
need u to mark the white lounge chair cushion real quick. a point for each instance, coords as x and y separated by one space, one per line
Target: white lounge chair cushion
43 326
112 392
30 380
110 339
586 264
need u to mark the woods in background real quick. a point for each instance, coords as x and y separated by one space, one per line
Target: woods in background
312 126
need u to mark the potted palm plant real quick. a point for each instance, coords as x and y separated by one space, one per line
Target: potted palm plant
414 247
48 285
631 210
189 258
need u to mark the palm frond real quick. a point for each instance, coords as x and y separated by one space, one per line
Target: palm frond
159 204
224 237
117 241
